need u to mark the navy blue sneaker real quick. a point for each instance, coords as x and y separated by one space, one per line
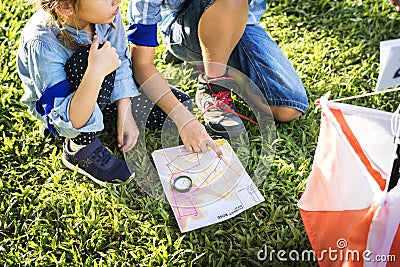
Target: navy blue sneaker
97 163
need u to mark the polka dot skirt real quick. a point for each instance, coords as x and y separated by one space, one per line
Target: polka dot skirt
147 113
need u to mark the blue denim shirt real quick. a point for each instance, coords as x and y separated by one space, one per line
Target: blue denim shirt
144 15
40 62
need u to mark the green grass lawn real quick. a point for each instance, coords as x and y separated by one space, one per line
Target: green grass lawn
50 216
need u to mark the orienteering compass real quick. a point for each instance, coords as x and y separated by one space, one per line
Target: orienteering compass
182 184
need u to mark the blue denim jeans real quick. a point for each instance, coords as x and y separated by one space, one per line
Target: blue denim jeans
256 55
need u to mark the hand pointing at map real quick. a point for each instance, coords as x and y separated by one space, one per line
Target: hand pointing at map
196 138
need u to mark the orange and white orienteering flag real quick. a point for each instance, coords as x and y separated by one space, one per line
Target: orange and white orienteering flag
350 217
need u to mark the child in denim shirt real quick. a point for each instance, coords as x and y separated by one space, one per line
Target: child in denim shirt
74 63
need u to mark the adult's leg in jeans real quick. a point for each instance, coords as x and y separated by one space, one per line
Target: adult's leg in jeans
220 28
182 35
267 66
261 59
